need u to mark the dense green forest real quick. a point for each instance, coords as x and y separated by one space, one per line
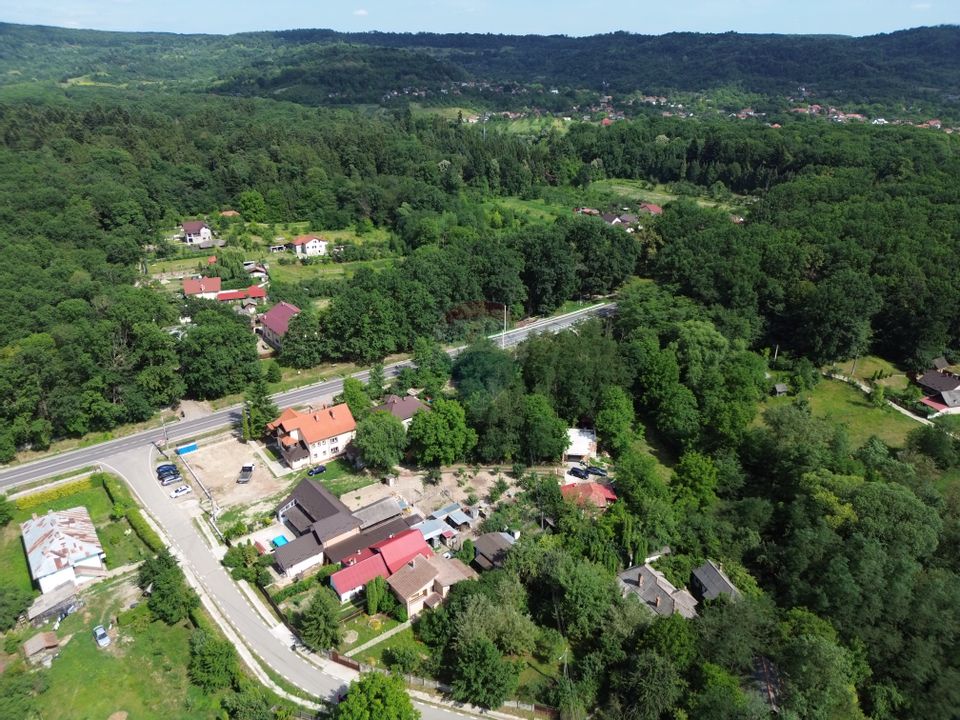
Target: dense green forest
325 67
846 555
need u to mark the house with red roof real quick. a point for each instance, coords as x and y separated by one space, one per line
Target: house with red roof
254 292
381 559
350 581
275 322
589 494
308 246
196 232
402 548
315 436
651 209
205 287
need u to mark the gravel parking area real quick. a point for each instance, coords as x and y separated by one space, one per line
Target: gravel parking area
217 463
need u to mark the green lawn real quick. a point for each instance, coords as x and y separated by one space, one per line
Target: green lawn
404 638
367 628
866 367
845 405
340 478
142 672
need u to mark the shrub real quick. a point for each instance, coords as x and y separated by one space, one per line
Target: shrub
401 659
400 613
137 618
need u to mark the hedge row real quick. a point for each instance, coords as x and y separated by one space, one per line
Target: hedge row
60 491
142 528
115 489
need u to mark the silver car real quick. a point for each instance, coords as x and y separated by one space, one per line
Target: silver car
100 635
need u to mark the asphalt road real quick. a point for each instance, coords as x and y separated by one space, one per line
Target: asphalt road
83 457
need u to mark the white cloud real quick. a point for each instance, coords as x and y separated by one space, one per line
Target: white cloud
360 12
921 6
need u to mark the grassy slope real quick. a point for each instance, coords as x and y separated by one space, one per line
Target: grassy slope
843 404
641 191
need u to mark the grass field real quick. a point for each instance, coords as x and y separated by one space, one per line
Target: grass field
640 191
142 672
844 405
538 209
296 272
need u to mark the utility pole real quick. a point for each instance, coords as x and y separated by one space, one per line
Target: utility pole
503 335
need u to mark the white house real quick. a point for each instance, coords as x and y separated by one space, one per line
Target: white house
315 436
196 232
62 547
308 246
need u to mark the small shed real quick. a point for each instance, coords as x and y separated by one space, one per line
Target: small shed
41 647
940 363
781 389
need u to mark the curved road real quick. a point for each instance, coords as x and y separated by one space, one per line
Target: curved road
132 458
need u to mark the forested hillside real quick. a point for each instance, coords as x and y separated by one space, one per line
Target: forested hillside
327 67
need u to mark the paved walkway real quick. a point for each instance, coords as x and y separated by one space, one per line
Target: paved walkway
380 638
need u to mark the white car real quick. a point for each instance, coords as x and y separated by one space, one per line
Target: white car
182 490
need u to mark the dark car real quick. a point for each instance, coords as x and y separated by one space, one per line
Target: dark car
594 470
317 470
579 473
165 468
167 472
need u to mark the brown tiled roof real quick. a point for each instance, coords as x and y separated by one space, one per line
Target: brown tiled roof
938 382
193 226
278 317
402 408
412 577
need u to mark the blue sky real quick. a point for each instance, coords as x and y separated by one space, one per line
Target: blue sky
570 17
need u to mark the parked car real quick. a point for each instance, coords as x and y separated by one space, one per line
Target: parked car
171 480
246 472
182 490
579 472
100 635
171 470
317 470
166 467
594 470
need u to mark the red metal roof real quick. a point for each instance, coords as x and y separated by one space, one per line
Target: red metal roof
303 239
402 548
652 209
255 291
359 574
591 492
279 316
203 285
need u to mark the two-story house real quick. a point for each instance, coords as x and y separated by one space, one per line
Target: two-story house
314 436
275 322
308 246
196 232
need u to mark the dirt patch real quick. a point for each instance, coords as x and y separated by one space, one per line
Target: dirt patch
350 637
193 409
217 463
457 484
118 715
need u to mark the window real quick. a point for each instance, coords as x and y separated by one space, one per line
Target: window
334 450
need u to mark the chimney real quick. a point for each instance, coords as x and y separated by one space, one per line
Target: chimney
658 601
